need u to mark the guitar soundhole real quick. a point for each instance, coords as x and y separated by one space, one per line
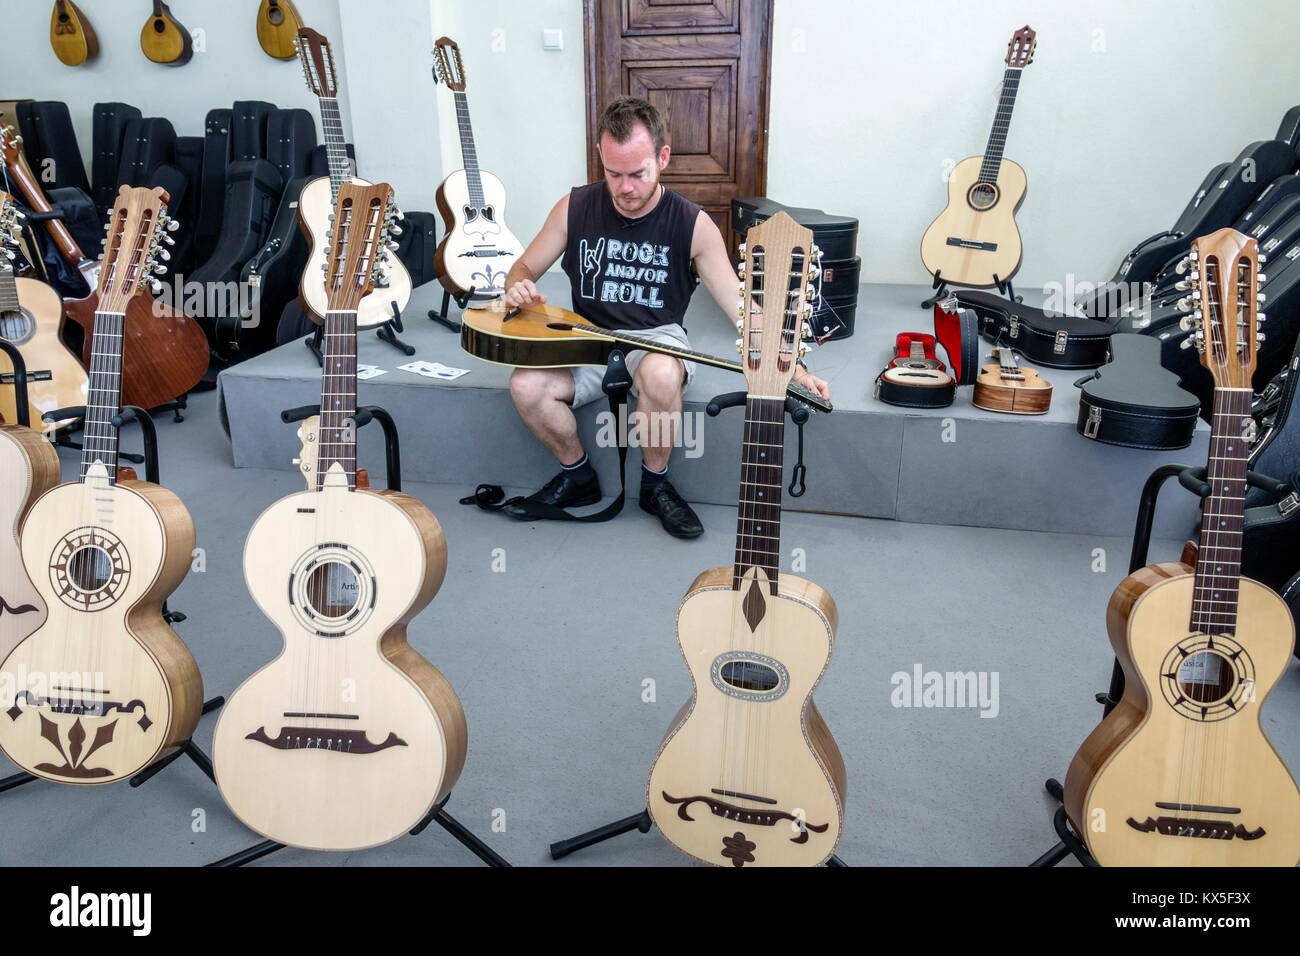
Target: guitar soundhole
1206 677
332 589
489 214
750 676
983 195
16 326
90 569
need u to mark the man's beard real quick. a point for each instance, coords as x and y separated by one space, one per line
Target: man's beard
621 204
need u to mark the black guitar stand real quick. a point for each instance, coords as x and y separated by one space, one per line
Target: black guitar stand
1004 288
439 315
18 378
799 414
438 814
385 332
149 436
1193 479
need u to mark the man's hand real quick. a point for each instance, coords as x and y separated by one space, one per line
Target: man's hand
523 293
811 382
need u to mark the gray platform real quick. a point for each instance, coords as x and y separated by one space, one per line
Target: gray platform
957 466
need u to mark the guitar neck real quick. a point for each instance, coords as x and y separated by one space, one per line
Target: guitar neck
22 176
1218 562
8 289
336 148
1001 123
103 395
758 519
338 398
474 180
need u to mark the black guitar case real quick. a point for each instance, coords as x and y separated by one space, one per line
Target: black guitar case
1133 402
1222 197
50 144
248 129
320 161
185 210
253 188
956 329
1277 449
1289 129
1270 543
1056 341
108 132
416 245
212 190
149 143
1274 193
1291 595
290 139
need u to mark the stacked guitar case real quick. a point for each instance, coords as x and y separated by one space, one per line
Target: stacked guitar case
836 305
1134 402
1042 337
923 381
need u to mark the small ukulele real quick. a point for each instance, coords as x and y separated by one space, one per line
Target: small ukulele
1007 387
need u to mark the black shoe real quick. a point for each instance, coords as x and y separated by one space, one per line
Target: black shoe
673 512
562 491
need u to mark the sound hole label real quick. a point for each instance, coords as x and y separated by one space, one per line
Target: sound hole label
90 569
747 676
332 590
982 196
1207 677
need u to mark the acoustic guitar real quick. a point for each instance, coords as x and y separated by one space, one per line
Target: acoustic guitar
278 23
164 351
974 241
104 687
1180 773
349 737
316 204
748 773
29 467
478 248
164 39
1006 387
31 318
545 336
71 35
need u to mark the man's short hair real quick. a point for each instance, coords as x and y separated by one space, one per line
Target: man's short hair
622 117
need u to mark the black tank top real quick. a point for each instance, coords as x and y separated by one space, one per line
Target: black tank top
629 273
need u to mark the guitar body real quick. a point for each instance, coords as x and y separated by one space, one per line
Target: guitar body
71 34
478 247
164 352
341 783
278 23
164 39
971 245
1148 751
1032 396
35 331
314 210
29 467
777 748
531 339
104 686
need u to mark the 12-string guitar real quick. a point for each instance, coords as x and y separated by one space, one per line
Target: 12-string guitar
478 247
316 204
974 241
349 737
1180 772
104 686
749 774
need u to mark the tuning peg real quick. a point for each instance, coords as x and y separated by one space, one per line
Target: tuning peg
391 245
394 230
165 255
740 326
809 293
742 286
1259 318
324 267
1185 343
807 331
1182 265
1259 336
1261 259
1193 255
807 310
159 268
172 224
330 217
803 350
155 286
813 272
329 234
740 270
1185 304
9 254
1185 323
740 346
740 308
104 241
816 251
1259 297
741 249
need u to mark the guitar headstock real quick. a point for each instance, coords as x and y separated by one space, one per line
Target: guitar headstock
779 259
448 65
1020 50
11 146
360 246
1221 311
317 62
137 229
11 228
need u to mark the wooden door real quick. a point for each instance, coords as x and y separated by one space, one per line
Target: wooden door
704 64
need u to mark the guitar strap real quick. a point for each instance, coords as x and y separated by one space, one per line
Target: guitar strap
616 384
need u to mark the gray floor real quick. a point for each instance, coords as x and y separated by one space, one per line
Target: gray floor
552 678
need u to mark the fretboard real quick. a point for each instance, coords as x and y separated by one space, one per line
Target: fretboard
338 397
1218 563
758 522
103 395
336 147
1001 123
8 290
467 153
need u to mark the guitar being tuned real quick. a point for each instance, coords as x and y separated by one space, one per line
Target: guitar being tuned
478 247
318 198
349 737
748 773
1180 772
104 687
974 241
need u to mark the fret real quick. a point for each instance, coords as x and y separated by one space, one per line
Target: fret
1216 589
992 161
759 506
472 177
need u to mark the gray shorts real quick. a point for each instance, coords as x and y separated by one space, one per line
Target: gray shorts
587 379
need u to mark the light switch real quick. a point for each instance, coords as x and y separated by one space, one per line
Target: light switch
552 39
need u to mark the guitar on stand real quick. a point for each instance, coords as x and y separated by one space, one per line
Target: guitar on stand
974 241
382 307
104 553
478 248
349 737
1180 772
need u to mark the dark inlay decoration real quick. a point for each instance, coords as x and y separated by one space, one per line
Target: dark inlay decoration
323 738
761 818
737 849
82 708
1204 829
20 609
74 758
754 605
